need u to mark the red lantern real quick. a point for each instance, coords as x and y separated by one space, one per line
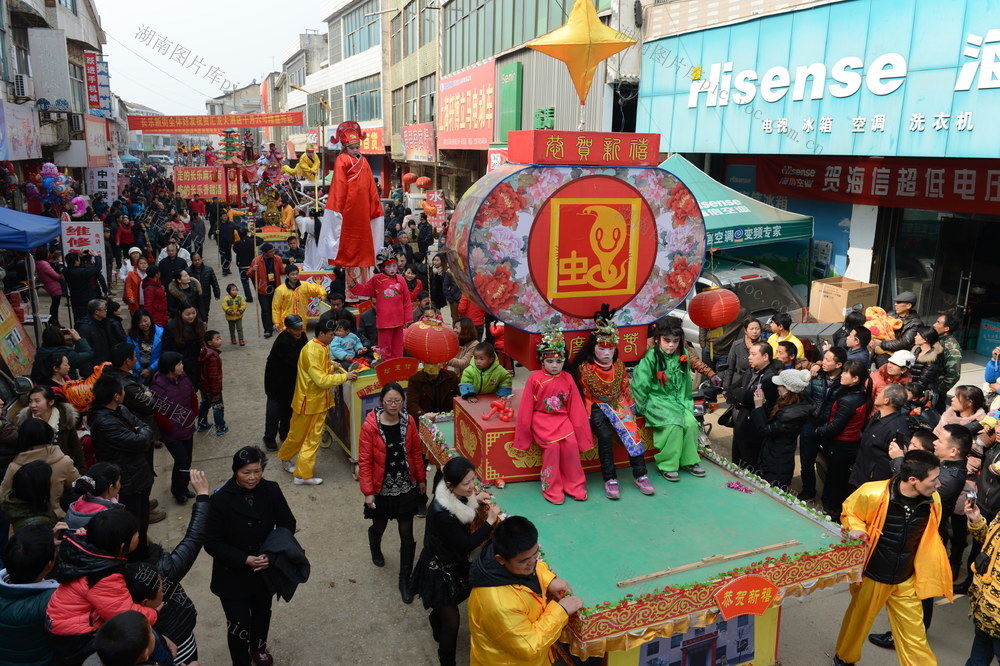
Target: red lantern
714 307
431 341
409 178
423 182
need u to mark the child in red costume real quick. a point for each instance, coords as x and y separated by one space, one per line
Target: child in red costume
551 414
392 304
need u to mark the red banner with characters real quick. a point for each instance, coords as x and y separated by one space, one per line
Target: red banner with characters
746 595
206 182
93 86
418 142
211 124
374 141
466 108
591 148
967 186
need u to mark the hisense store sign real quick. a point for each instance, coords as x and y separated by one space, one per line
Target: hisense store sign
862 77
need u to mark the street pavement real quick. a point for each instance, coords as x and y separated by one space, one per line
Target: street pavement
350 611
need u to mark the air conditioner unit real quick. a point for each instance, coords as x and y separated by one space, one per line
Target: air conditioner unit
23 86
45 117
76 122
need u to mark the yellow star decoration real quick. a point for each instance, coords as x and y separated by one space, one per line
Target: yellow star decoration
582 44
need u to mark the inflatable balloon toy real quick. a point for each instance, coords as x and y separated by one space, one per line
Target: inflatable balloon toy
78 206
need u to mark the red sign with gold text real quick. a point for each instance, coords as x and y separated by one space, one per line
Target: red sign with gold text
591 148
466 108
374 141
211 124
746 595
590 244
90 72
206 182
967 186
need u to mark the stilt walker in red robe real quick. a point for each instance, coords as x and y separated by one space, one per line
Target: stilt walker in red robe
353 223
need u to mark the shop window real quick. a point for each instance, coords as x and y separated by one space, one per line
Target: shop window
428 21
397 110
362 98
78 88
396 38
428 88
410 28
361 28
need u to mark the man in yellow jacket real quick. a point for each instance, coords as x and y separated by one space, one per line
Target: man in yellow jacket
316 375
292 297
517 608
906 560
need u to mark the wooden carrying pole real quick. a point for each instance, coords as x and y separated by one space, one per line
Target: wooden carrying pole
706 561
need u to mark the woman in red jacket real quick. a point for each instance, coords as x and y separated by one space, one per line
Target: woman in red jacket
92 589
392 476
841 436
154 298
466 308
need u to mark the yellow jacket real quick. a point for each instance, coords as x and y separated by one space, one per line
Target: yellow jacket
294 301
865 510
308 167
316 375
985 589
512 626
288 218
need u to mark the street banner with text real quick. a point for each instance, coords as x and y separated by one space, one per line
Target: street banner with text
211 124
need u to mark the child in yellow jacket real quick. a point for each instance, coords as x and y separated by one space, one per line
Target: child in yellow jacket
234 306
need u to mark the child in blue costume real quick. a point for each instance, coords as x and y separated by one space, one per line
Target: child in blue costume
661 386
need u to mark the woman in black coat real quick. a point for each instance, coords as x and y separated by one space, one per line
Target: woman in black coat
244 512
441 577
780 428
929 354
185 334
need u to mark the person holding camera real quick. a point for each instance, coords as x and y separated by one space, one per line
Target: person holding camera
984 592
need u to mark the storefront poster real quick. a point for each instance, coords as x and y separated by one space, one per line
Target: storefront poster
436 199
16 348
104 87
838 79
418 142
97 141
103 180
206 182
969 186
80 236
211 124
374 141
23 139
466 108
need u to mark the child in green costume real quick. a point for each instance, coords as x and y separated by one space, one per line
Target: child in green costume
661 386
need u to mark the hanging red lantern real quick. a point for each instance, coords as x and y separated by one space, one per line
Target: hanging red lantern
409 178
714 307
431 341
424 182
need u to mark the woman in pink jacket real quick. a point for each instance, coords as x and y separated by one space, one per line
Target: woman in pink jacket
91 576
51 280
392 303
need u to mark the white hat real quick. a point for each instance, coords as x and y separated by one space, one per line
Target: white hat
795 381
903 358
134 249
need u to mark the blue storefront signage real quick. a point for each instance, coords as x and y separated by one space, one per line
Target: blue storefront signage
860 77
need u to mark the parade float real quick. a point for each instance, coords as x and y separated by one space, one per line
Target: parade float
576 221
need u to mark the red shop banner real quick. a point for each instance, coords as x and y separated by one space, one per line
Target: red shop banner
374 141
967 186
418 142
466 108
603 148
93 86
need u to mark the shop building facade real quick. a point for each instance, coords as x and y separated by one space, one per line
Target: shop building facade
884 136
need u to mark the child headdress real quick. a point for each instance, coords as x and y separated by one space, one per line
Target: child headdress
552 344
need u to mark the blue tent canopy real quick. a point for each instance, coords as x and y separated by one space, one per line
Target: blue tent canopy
129 157
24 232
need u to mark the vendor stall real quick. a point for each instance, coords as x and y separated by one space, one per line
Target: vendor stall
684 586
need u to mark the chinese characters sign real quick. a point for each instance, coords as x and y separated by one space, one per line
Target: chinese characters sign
206 182
555 147
79 236
184 57
103 180
746 595
436 199
418 142
842 84
590 244
211 124
16 348
374 141
90 71
971 186
496 156
104 88
466 108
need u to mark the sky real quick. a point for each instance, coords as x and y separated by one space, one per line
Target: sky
238 42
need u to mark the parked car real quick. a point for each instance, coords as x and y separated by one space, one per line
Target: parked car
761 291
159 160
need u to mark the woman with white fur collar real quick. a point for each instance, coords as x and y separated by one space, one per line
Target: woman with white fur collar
441 577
